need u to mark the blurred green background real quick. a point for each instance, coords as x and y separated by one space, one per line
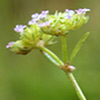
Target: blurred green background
33 77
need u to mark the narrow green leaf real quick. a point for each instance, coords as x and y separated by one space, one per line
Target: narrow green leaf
78 46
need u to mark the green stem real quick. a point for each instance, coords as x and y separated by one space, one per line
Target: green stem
52 55
75 85
69 74
64 48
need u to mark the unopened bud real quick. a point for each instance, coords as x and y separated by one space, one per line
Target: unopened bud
71 68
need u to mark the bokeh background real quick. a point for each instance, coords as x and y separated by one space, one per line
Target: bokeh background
33 77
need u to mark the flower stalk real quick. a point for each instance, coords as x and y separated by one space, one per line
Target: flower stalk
64 48
56 58
69 74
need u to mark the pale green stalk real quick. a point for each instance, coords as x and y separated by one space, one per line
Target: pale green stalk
64 48
52 55
69 74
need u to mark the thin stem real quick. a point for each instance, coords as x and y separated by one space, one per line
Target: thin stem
50 58
52 55
64 48
70 75
75 85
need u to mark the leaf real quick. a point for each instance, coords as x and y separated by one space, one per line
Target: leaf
78 46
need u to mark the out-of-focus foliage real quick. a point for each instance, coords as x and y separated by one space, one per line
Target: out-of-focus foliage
33 77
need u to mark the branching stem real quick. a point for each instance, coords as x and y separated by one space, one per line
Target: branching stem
69 74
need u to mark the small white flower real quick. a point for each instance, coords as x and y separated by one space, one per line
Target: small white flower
9 44
20 28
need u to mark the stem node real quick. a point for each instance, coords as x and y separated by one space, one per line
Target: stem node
68 67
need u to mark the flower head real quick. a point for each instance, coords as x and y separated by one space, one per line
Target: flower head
20 28
44 27
47 23
85 10
36 15
32 38
33 21
36 18
63 22
43 14
66 10
80 11
9 44
69 13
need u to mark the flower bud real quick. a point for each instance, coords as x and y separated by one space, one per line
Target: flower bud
71 68
19 48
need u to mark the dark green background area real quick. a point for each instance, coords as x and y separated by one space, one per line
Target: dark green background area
33 77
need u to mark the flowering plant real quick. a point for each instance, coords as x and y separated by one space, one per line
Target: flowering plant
41 31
